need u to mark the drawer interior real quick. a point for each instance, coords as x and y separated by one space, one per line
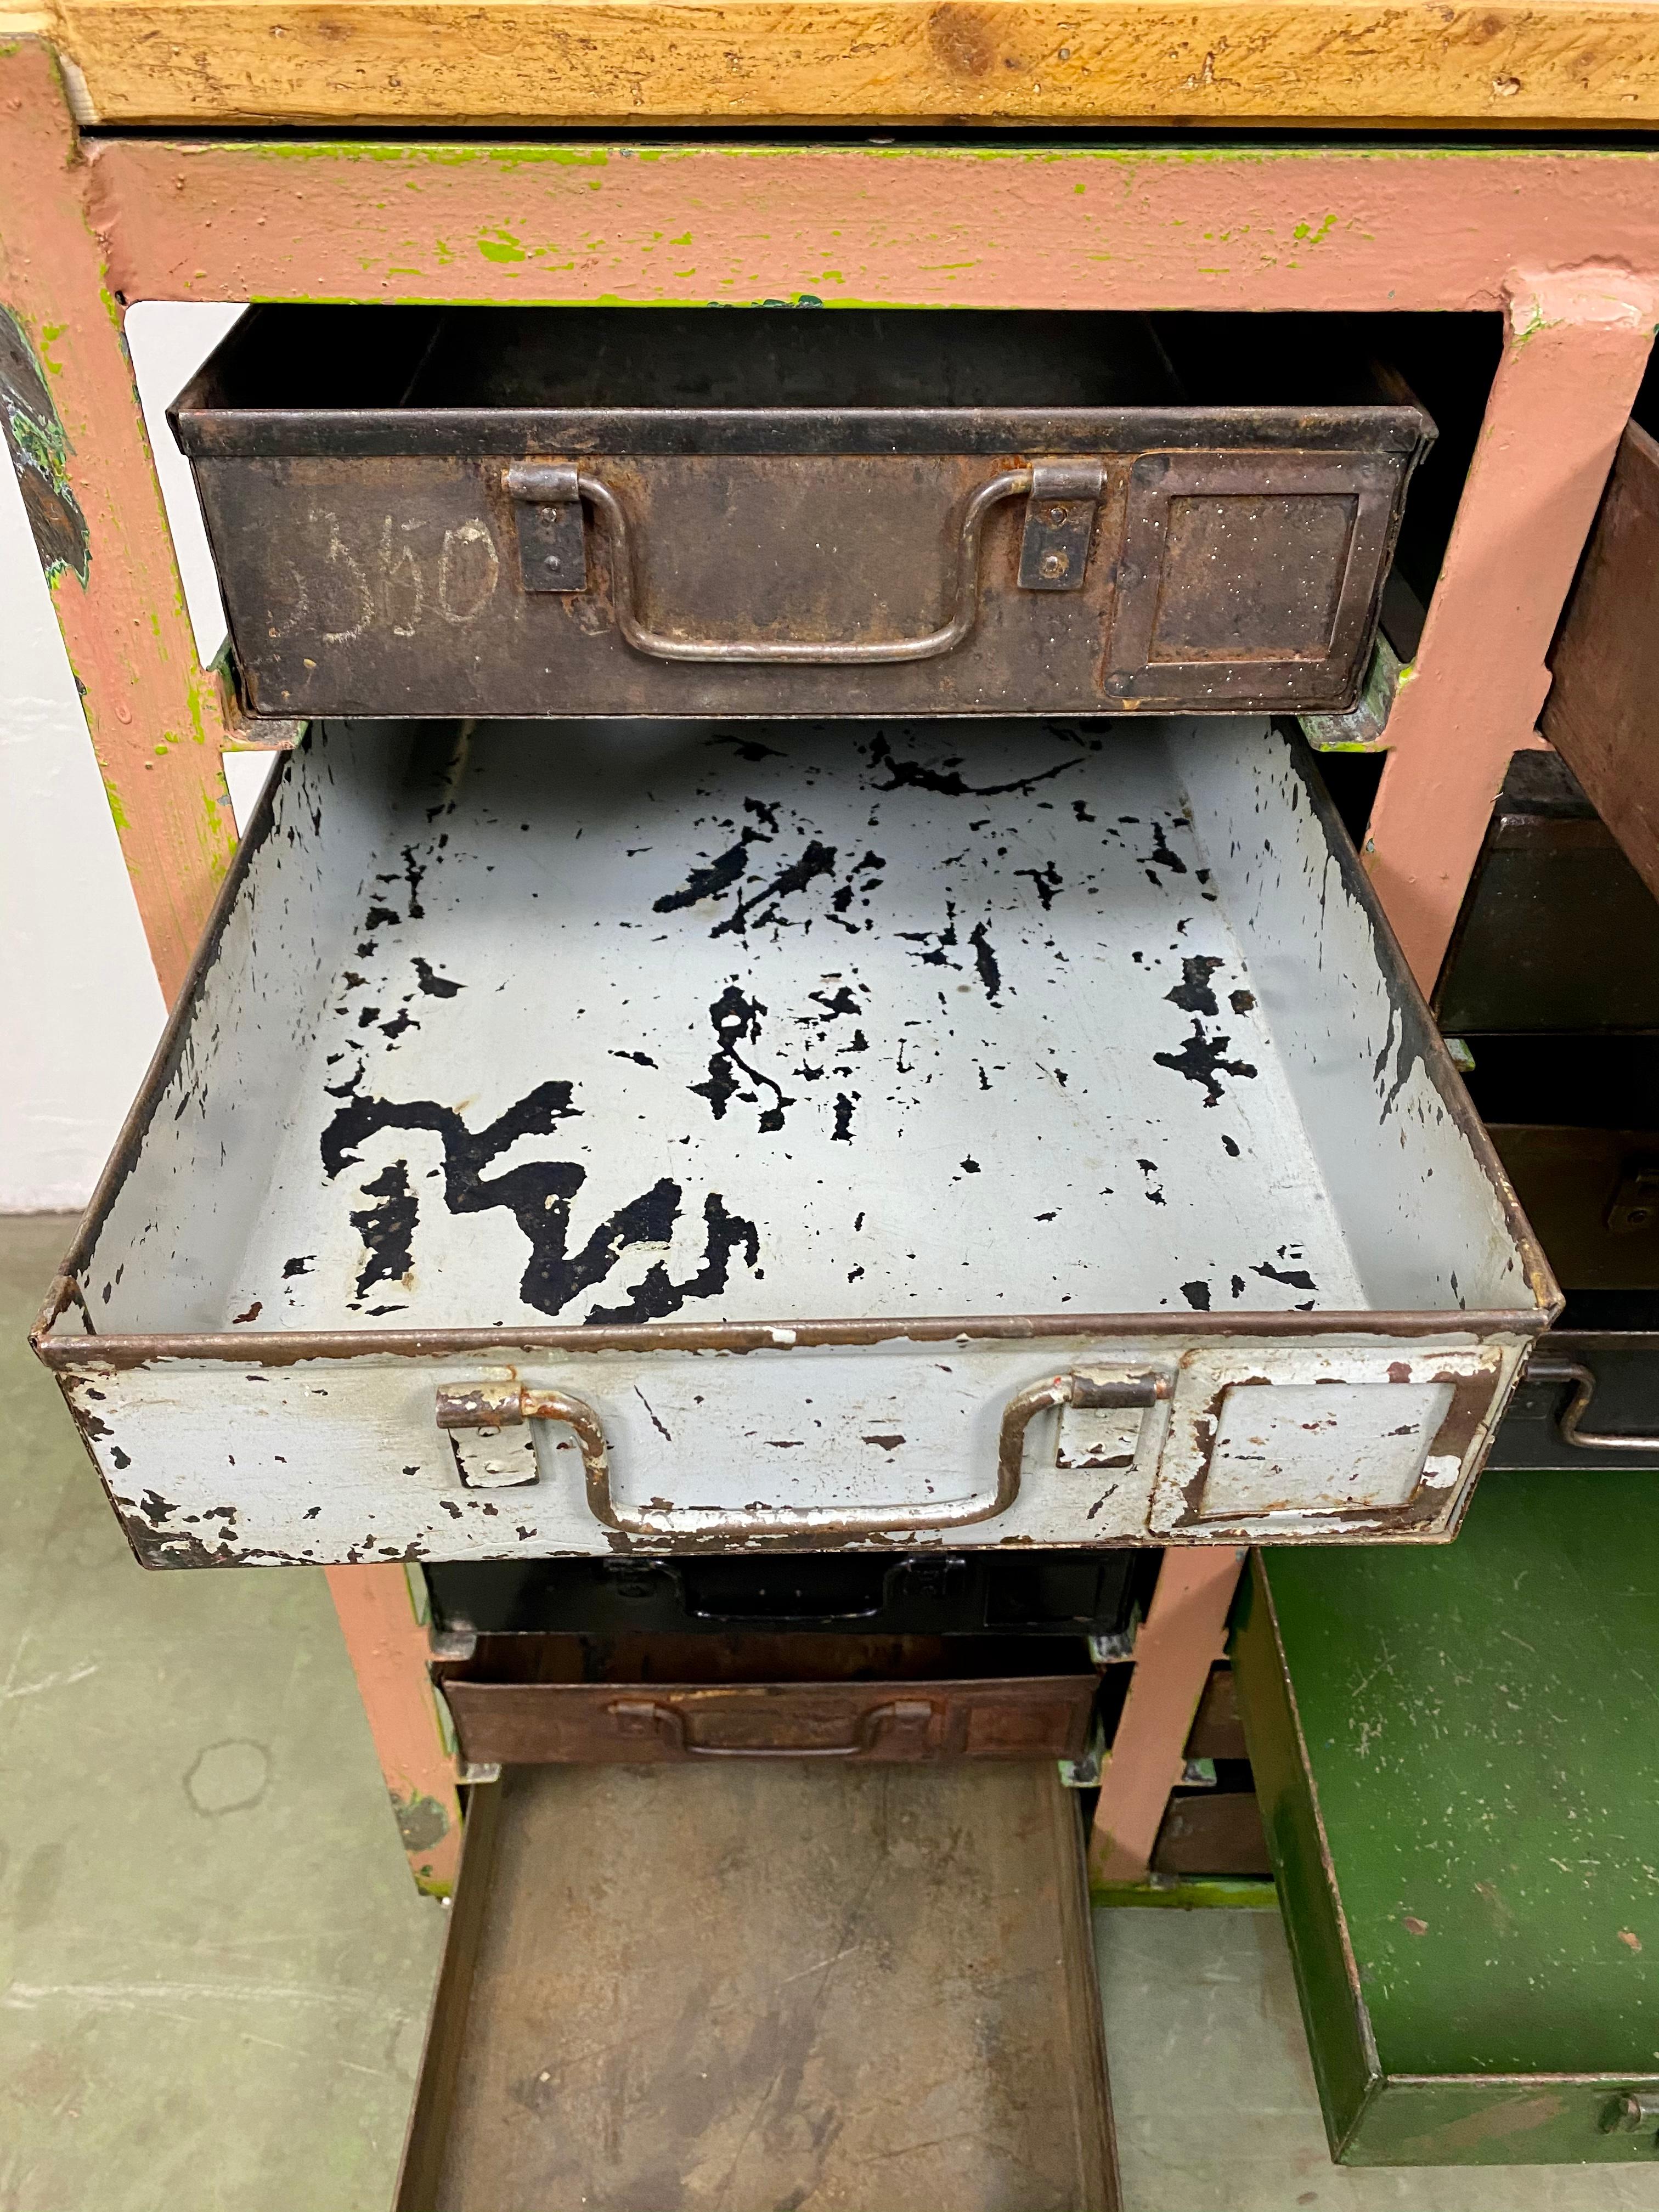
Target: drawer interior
735 1986
1058 1593
612 1025
294 359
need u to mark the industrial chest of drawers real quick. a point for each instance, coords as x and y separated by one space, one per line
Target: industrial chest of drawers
585 1138
595 511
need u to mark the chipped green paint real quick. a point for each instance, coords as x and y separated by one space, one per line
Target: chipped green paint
1305 234
118 813
459 153
501 246
1190 1893
39 449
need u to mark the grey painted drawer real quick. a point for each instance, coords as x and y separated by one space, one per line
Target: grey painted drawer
579 1137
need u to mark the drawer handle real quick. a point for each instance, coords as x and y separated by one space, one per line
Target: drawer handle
914 1714
1567 1421
1064 496
495 1406
1062 1390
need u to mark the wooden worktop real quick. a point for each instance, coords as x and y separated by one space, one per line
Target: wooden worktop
1369 63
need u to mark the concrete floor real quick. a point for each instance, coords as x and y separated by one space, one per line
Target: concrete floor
1214 2097
215 1970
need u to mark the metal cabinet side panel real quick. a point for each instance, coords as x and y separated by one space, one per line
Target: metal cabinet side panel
1495 2120
1339 2041
1431 1220
1472 1736
185 1186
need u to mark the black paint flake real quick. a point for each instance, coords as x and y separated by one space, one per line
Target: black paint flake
1161 856
387 1229
435 987
916 776
719 876
539 1195
1296 1278
941 943
1201 1061
843 1129
1197 1296
736 1021
1192 993
985 960
816 861
1046 882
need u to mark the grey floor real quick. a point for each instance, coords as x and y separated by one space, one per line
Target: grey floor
214 1969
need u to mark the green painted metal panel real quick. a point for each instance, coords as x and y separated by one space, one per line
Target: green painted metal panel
1455 1748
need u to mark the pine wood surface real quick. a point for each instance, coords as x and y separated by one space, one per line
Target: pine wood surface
1374 63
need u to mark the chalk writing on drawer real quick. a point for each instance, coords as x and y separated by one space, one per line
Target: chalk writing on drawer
396 581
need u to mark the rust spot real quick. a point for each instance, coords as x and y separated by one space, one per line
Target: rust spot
1414 1927
887 1442
1630 1940
252 1313
1400 1370
961 40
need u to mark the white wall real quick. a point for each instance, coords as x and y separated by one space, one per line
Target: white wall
80 1007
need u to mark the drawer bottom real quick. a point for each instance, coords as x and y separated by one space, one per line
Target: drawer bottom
744 1986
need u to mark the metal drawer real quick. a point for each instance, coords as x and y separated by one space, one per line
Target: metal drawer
1590 1396
569 1700
1557 931
609 512
1017 1593
1602 711
750 1985
577 1139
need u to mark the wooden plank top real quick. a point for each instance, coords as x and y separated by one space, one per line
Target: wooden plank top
1370 64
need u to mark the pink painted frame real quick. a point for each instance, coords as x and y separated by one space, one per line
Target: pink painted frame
1565 242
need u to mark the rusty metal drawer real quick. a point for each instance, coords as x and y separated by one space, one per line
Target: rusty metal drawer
579 1138
744 1984
481 511
640 1701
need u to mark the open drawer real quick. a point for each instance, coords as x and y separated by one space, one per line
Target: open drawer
581 1138
582 511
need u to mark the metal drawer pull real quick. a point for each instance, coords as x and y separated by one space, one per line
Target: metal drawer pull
1062 1390
1567 1421
495 1406
668 1722
1060 524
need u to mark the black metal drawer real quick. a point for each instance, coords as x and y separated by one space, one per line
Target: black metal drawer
584 511
1557 931
1590 1394
1036 1593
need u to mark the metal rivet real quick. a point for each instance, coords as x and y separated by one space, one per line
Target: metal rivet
1055 564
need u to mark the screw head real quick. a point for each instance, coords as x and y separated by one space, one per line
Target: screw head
1053 564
